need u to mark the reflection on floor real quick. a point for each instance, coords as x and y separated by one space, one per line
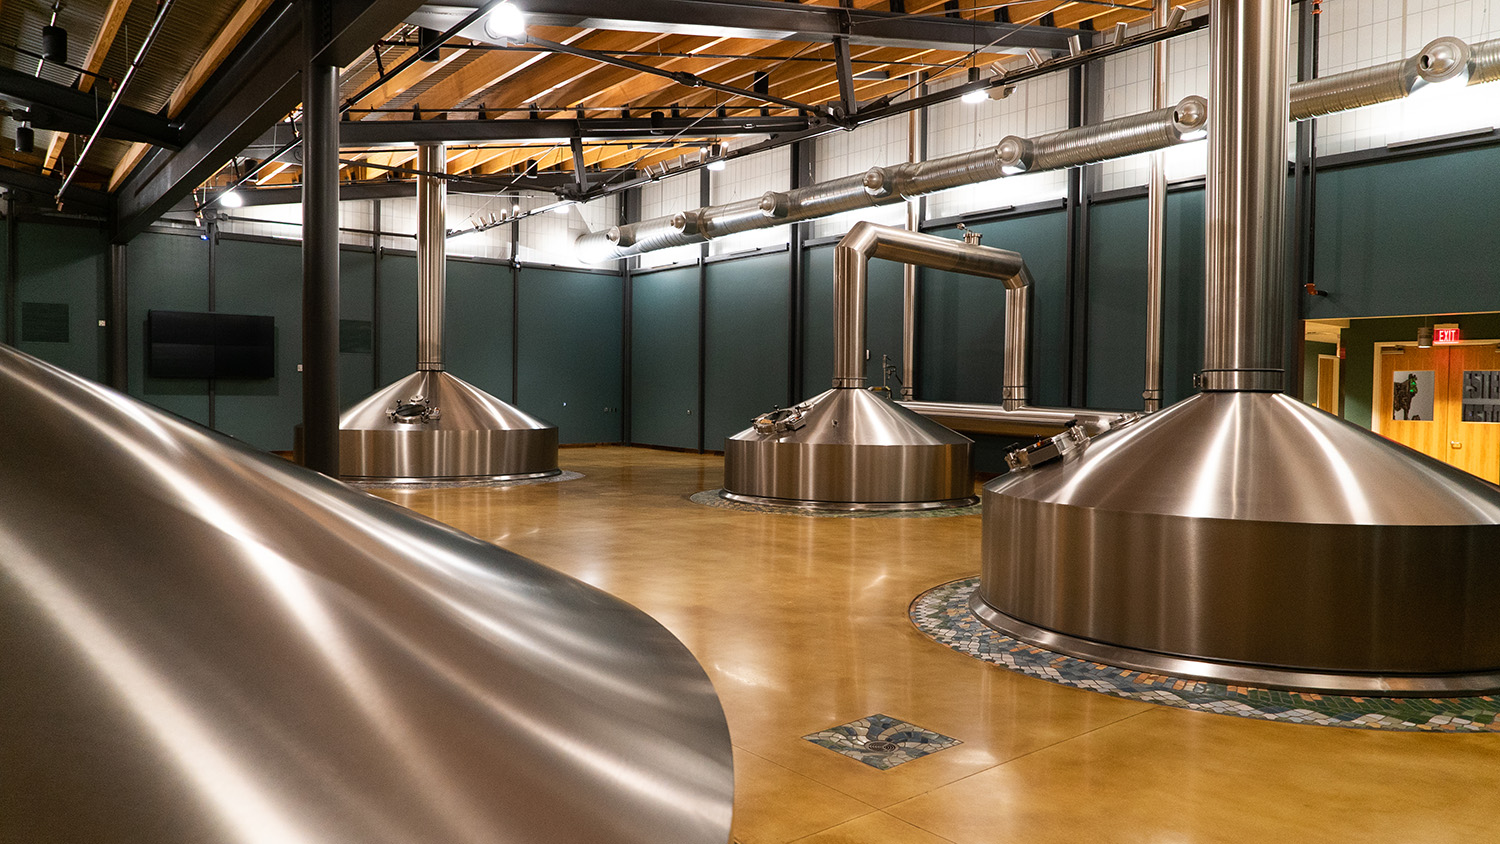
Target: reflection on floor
802 624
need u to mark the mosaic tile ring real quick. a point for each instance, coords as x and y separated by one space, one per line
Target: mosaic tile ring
942 613
564 475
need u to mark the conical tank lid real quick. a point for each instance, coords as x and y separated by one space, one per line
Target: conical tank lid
855 416
1260 457
461 406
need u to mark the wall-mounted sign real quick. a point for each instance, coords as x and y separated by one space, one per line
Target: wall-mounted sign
1445 335
1481 397
1412 394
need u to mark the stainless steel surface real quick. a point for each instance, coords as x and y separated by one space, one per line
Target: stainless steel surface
207 643
1442 59
1246 195
432 255
1021 422
1383 685
1241 535
851 268
914 128
898 183
1484 62
853 448
1251 528
395 435
1156 229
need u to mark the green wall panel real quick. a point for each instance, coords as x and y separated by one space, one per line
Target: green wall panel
263 279
1117 305
64 265
356 302
170 273
1408 237
746 359
397 351
1182 315
883 321
570 339
664 358
479 327
962 318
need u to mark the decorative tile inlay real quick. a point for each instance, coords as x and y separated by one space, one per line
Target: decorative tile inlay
943 614
881 741
565 475
711 498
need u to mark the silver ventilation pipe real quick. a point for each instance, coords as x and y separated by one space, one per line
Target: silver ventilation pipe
1246 197
851 261
1484 62
432 255
1156 230
890 185
1441 60
914 127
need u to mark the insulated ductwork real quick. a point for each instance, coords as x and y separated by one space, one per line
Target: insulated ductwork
206 643
431 425
1442 60
897 183
1241 535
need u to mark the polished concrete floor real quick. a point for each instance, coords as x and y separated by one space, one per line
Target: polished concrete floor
801 623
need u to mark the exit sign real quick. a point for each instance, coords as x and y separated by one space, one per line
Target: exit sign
1445 335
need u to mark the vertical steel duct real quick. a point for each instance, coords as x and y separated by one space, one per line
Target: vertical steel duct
914 129
1246 196
1156 229
432 255
1241 535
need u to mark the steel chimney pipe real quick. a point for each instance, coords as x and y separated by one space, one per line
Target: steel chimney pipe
851 261
432 255
1246 196
1156 229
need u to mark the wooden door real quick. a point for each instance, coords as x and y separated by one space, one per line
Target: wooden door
1473 429
1408 402
1328 383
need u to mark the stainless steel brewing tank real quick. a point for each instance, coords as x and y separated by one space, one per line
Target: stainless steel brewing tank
1251 538
203 642
432 425
849 448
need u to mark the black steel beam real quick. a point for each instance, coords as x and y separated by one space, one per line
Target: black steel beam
255 87
292 194
67 109
845 69
378 133
763 19
44 188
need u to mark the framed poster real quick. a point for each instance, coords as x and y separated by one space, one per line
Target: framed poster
1412 395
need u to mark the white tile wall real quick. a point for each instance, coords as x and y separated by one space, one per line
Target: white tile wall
548 238
748 177
877 144
1037 107
1358 33
668 196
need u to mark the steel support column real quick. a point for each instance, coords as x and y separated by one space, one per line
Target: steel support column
1085 106
320 244
1304 214
116 329
12 271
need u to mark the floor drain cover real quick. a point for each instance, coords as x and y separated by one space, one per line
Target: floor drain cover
881 746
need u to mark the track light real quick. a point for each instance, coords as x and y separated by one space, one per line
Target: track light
505 21
717 164
231 199
25 138
978 95
55 44
1424 337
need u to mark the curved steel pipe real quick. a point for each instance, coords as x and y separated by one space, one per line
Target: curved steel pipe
207 643
865 241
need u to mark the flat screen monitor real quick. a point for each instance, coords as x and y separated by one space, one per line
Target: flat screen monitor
188 344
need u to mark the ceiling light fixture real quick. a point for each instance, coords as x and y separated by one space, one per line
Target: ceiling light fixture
506 21
978 95
231 199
